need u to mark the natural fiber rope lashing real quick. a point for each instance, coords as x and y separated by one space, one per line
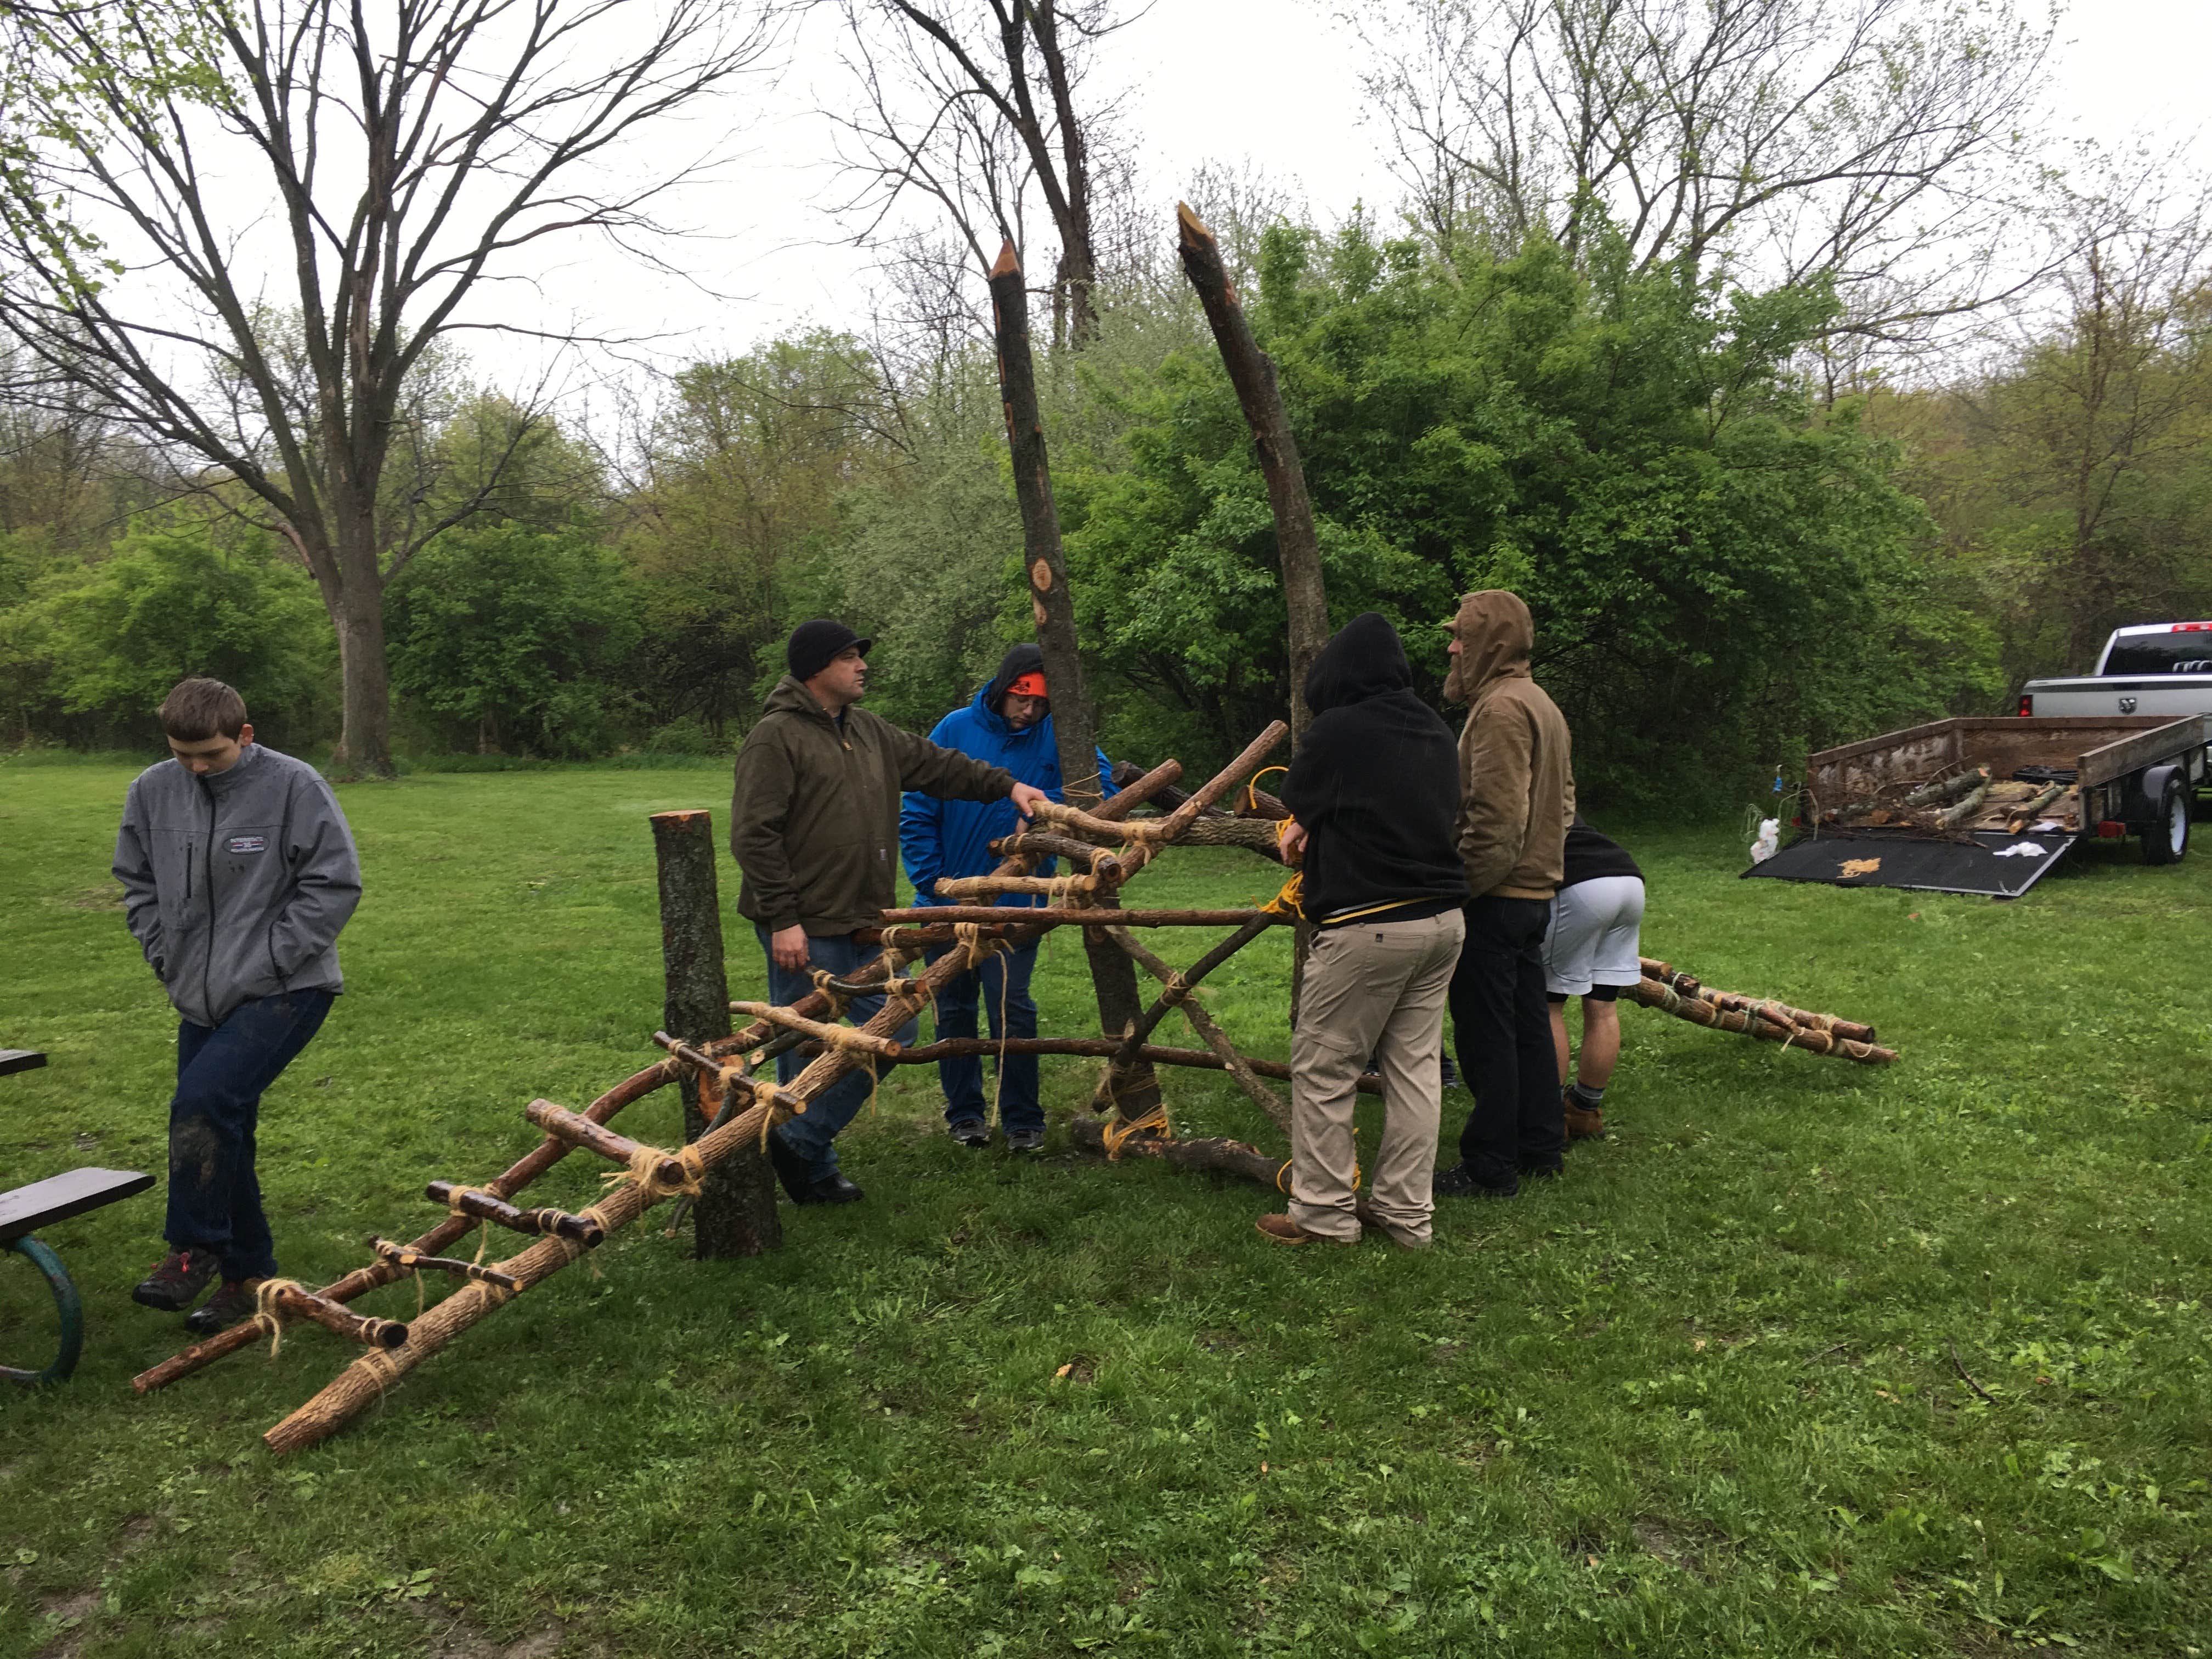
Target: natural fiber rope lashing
644 1171
825 982
1116 1134
265 1309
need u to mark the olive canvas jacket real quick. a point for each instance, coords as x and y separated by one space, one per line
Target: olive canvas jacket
1516 765
814 816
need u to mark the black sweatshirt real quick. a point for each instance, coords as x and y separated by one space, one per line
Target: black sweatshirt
1376 783
1590 856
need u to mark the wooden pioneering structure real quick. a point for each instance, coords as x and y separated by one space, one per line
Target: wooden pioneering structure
730 1075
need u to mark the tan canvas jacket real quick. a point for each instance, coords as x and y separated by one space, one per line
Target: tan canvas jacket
1516 775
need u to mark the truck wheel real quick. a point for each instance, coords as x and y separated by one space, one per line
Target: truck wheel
2165 837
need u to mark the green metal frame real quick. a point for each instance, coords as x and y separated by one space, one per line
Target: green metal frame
66 1303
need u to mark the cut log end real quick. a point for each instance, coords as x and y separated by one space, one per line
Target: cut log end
1008 263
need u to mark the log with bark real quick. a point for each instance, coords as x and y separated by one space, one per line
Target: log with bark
1969 807
1948 789
1699 1012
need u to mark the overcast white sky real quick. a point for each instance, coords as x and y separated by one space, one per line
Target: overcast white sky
1274 81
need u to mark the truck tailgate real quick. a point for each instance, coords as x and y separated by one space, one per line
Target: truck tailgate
1992 864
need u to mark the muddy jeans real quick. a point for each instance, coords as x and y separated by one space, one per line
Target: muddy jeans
1371 987
215 1197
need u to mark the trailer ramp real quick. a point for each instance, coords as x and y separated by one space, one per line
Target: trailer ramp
1993 864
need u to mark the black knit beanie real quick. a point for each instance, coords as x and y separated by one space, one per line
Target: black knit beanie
815 645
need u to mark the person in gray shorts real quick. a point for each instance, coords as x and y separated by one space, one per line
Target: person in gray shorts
1591 951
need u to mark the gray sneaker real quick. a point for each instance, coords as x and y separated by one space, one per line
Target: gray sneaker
972 1131
1024 1140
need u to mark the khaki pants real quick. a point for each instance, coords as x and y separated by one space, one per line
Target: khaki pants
1371 987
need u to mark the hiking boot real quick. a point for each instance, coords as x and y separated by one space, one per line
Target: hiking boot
1449 1078
234 1299
791 1170
1279 1229
1459 1181
834 1188
175 1282
972 1131
1024 1140
1585 1123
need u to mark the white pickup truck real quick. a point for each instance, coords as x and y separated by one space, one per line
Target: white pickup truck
2160 668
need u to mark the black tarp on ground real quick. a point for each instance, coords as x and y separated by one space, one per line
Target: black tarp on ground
1874 859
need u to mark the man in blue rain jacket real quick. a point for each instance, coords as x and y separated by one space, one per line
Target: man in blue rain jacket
1009 724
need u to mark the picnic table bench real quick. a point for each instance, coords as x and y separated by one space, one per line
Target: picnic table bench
24 1210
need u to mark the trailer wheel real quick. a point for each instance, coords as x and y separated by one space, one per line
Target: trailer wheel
2165 837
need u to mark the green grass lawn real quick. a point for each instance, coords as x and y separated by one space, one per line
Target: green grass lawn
1698 1398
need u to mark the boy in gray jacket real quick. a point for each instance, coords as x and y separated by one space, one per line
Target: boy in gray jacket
238 871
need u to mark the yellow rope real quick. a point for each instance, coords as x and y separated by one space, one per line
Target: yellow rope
1291 900
1252 789
1116 1134
265 1309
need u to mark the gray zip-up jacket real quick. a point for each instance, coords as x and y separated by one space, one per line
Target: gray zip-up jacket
236 884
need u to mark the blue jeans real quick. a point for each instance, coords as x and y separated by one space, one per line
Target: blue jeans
812 1134
215 1198
1007 976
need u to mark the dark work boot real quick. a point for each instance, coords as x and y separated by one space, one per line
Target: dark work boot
176 1280
834 1188
791 1170
1459 1181
234 1299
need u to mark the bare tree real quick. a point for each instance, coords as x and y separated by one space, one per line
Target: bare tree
1866 142
975 118
385 165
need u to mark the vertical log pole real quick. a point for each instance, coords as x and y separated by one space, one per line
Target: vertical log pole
736 1212
1113 976
1298 548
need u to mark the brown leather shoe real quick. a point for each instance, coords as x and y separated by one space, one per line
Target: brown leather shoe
1584 1123
1281 1230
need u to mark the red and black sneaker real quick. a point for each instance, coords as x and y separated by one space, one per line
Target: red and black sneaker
176 1280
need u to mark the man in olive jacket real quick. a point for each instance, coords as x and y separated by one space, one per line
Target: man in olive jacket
1516 798
814 827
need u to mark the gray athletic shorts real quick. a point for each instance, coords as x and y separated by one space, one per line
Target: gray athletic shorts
1592 939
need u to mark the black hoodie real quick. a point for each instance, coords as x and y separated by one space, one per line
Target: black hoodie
1376 783
1027 658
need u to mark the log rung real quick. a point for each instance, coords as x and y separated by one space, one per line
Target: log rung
333 1318
483 1207
413 1261
580 1131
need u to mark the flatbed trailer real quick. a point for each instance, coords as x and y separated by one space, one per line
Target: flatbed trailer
2130 773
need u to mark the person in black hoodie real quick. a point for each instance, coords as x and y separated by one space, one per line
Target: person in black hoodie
1374 794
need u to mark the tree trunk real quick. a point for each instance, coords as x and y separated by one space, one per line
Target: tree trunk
736 1213
364 747
1253 373
1113 976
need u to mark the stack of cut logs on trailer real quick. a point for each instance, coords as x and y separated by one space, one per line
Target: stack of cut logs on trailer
1965 801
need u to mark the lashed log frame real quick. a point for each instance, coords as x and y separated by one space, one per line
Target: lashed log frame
1252 373
364 1382
362 1281
1210 1034
1766 1007
524 1171
1113 979
735 1213
1215 1156
1699 1012
1182 981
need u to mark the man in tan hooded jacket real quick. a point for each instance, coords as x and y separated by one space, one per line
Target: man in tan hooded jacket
1516 798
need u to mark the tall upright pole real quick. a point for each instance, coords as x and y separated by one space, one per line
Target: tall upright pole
1135 1088
736 1213
1252 372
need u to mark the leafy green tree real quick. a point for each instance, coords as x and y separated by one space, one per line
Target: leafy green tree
1720 576
518 638
115 635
